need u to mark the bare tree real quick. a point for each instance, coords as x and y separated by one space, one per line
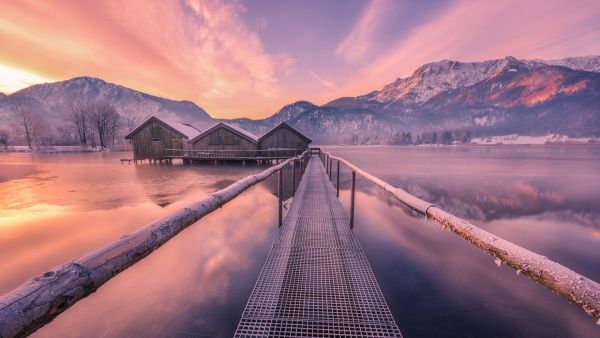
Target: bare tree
113 127
4 138
79 118
65 135
130 120
105 119
27 123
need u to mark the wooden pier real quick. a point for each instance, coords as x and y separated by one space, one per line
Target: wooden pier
316 281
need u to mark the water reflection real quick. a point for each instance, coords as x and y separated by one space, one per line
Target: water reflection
439 285
195 285
56 207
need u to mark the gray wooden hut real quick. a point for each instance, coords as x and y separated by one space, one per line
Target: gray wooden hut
225 140
156 139
283 141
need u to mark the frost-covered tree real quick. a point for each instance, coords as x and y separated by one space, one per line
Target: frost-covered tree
105 120
78 117
28 123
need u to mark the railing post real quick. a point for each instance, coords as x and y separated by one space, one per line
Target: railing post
337 177
330 169
352 193
293 177
280 195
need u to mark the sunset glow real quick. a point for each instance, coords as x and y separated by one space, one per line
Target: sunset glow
248 58
13 79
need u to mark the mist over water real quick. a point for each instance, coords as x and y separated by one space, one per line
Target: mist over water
54 208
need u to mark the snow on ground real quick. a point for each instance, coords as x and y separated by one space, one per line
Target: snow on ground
543 139
49 149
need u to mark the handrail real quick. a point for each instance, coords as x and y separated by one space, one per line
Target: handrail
37 301
576 288
236 150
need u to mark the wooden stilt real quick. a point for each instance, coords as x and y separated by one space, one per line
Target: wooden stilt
352 193
280 195
293 177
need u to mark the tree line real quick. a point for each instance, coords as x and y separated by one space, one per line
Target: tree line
86 123
431 137
409 138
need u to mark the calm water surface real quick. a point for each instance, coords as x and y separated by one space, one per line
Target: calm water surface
436 283
57 207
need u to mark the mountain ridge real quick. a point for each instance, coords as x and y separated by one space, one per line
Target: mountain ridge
53 100
485 98
493 97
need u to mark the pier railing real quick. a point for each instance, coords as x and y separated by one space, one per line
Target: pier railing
576 288
37 301
236 153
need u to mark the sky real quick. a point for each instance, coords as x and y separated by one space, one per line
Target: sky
249 58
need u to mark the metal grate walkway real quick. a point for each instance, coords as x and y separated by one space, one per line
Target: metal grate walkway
316 281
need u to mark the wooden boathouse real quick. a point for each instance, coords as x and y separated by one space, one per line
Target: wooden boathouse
226 139
157 139
281 137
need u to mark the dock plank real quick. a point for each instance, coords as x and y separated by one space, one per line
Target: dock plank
316 281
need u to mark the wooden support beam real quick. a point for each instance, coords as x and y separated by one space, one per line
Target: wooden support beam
337 177
293 177
352 197
280 195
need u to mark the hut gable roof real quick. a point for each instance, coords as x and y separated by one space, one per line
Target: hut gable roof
231 127
184 129
287 126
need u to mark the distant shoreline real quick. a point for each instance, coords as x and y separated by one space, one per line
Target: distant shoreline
58 149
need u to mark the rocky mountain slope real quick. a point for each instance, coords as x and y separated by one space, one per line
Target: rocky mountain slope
505 96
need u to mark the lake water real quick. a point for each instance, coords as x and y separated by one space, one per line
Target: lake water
58 207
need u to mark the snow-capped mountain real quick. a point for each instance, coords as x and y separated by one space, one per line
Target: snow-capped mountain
53 101
446 75
460 99
587 63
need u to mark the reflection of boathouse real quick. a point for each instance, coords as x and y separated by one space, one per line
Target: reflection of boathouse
156 139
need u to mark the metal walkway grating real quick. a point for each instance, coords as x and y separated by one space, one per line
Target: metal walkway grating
316 281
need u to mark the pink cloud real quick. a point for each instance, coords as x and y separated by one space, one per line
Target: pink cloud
471 31
356 45
322 81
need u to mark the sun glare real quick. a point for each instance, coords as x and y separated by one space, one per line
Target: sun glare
14 79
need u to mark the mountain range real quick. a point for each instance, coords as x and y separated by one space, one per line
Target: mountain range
495 97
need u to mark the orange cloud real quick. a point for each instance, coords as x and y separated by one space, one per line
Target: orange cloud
198 50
